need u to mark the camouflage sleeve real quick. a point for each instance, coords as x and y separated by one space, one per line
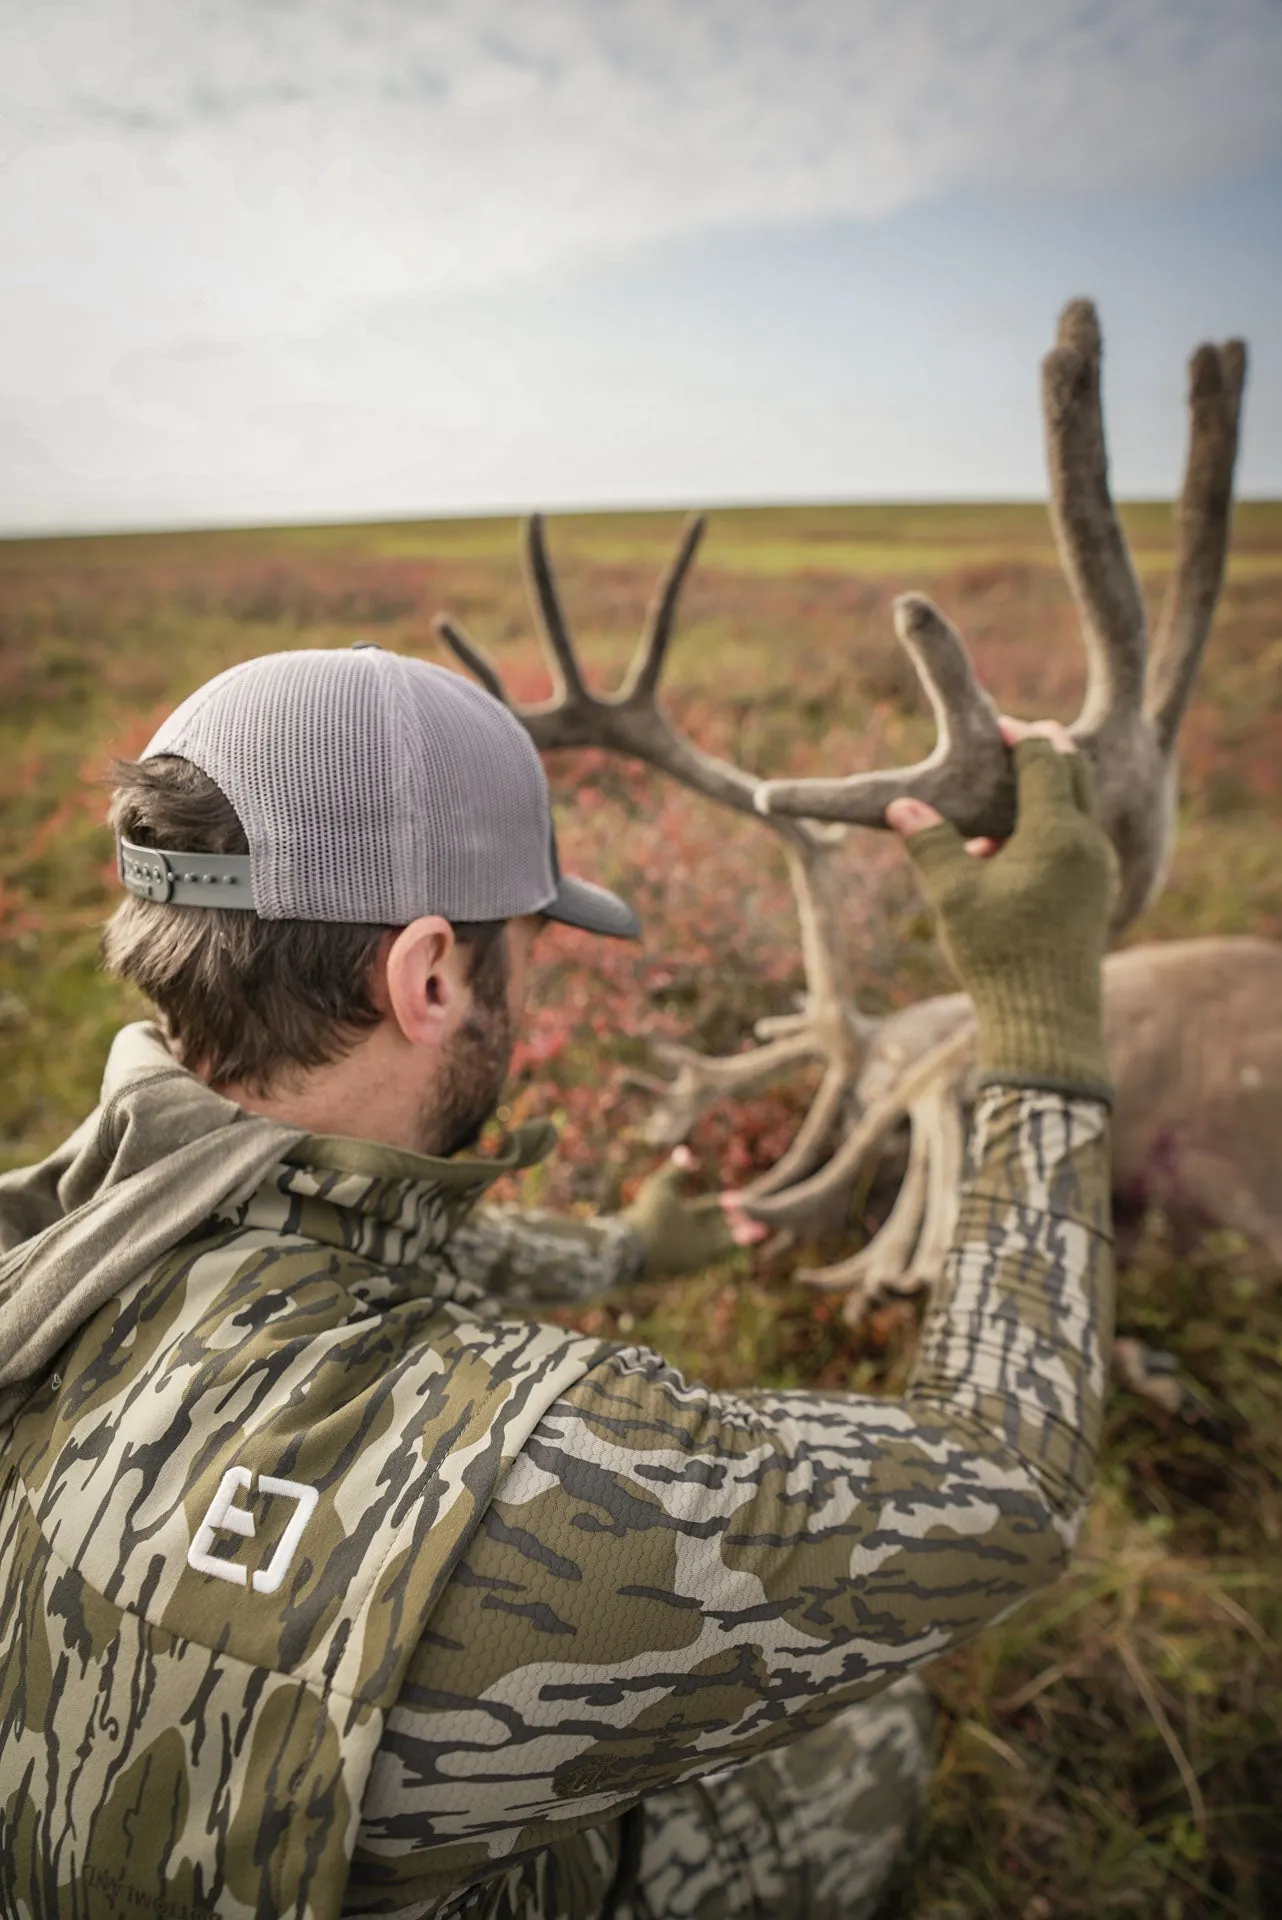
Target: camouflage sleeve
536 1259
673 1579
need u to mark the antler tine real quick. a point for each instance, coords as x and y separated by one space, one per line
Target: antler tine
1216 378
795 1205
652 649
811 1139
628 723
888 1256
967 776
469 655
555 632
699 1080
1092 547
632 723
906 1255
939 1115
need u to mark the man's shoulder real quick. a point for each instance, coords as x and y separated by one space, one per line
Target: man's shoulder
266 1374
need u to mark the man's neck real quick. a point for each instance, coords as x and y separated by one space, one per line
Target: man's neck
361 1096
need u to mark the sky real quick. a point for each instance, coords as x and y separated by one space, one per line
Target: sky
287 260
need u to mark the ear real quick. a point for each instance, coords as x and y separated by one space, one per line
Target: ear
424 982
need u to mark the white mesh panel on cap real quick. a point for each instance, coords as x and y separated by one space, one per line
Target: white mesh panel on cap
372 787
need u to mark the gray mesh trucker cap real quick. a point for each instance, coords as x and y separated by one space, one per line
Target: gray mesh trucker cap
371 787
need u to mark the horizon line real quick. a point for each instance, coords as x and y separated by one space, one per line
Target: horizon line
125 530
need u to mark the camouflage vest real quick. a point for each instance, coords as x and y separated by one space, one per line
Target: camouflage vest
224 1524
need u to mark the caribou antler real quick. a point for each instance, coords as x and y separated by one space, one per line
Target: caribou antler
632 723
629 722
1130 718
967 776
1129 723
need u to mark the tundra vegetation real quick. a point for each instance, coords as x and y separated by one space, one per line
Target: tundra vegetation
1114 1747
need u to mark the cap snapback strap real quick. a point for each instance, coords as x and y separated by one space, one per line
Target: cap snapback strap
187 879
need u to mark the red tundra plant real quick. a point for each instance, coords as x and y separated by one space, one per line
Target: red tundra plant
718 951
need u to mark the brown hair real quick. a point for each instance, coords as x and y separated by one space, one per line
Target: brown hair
242 1000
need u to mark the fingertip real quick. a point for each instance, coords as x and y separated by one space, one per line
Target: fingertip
1043 774
908 816
1054 731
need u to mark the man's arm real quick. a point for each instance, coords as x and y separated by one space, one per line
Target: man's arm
532 1258
674 1579
535 1259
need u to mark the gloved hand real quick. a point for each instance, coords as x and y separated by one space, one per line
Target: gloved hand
680 1235
1024 924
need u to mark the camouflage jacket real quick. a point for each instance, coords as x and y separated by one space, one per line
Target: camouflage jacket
331 1579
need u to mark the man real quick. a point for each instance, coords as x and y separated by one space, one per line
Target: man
333 1580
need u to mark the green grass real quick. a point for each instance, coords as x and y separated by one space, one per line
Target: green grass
1114 1748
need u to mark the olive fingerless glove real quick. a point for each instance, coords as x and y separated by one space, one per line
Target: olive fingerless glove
679 1235
1025 929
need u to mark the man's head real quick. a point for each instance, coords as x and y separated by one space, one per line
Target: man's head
371 855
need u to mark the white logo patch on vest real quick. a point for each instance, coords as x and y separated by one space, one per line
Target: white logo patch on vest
225 1517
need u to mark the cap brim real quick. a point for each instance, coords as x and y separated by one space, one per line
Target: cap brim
596 910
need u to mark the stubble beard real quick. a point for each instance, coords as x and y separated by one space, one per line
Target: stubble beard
471 1084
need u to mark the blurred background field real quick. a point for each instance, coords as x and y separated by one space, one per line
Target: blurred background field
1114 1748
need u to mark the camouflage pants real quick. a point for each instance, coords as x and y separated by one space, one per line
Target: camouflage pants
816 1829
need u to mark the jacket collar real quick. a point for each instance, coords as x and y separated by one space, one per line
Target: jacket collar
381 1203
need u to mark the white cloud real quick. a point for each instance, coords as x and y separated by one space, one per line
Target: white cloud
244 171
237 159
